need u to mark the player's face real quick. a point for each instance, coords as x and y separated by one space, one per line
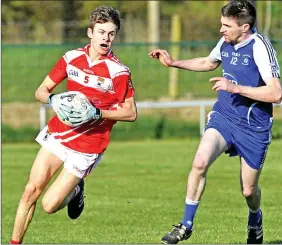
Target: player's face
102 37
231 31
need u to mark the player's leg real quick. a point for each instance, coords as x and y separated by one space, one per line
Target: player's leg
44 167
252 148
249 185
68 188
61 192
211 146
252 193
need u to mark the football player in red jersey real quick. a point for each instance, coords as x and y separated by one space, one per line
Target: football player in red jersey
98 74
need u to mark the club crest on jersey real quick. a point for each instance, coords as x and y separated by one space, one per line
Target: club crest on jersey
104 85
101 80
47 134
274 67
246 59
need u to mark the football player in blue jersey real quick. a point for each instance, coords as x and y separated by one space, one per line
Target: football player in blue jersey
241 119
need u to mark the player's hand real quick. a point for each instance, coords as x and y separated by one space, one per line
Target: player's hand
222 83
163 56
57 101
77 117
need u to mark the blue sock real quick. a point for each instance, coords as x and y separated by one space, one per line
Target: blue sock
254 217
189 213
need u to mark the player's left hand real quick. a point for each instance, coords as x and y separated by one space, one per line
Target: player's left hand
222 83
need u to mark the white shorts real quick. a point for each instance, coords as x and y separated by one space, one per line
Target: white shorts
80 164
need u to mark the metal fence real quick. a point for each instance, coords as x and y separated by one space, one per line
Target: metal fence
202 104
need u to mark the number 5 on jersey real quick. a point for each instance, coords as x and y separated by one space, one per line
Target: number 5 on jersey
86 79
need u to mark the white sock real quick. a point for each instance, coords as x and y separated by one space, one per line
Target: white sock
76 190
254 211
188 201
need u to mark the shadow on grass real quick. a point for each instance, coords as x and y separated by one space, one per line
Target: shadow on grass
273 242
265 242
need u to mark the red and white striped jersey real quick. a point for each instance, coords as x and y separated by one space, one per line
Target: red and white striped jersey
106 83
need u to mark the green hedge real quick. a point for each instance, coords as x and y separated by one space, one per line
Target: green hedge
144 128
155 128
277 129
25 134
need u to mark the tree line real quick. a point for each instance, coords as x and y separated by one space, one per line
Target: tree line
34 20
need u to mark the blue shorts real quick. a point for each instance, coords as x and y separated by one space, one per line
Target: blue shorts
250 145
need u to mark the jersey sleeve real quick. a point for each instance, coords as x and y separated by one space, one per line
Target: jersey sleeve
124 87
215 54
265 58
58 72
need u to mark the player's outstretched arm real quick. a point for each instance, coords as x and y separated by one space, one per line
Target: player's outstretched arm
196 64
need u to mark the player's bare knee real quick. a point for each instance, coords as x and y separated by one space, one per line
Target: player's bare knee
200 165
49 205
31 192
49 209
248 191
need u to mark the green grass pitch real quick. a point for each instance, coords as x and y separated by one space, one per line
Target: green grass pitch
137 192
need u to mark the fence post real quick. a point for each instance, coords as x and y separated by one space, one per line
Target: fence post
202 118
42 117
175 53
153 23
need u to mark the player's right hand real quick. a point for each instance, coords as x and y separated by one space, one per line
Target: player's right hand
163 56
59 105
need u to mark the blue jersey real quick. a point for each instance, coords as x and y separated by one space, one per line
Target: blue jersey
248 63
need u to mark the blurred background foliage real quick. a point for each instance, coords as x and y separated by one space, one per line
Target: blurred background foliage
67 21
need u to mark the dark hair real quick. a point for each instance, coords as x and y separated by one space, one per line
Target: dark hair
105 14
242 10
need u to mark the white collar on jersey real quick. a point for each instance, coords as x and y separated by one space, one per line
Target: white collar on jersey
245 42
100 60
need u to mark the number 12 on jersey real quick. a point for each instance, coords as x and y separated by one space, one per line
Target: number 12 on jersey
234 61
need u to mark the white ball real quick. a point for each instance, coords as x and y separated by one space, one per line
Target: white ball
77 101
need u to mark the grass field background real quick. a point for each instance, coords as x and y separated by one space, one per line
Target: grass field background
137 192
25 67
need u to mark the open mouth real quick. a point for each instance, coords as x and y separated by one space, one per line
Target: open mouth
104 46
